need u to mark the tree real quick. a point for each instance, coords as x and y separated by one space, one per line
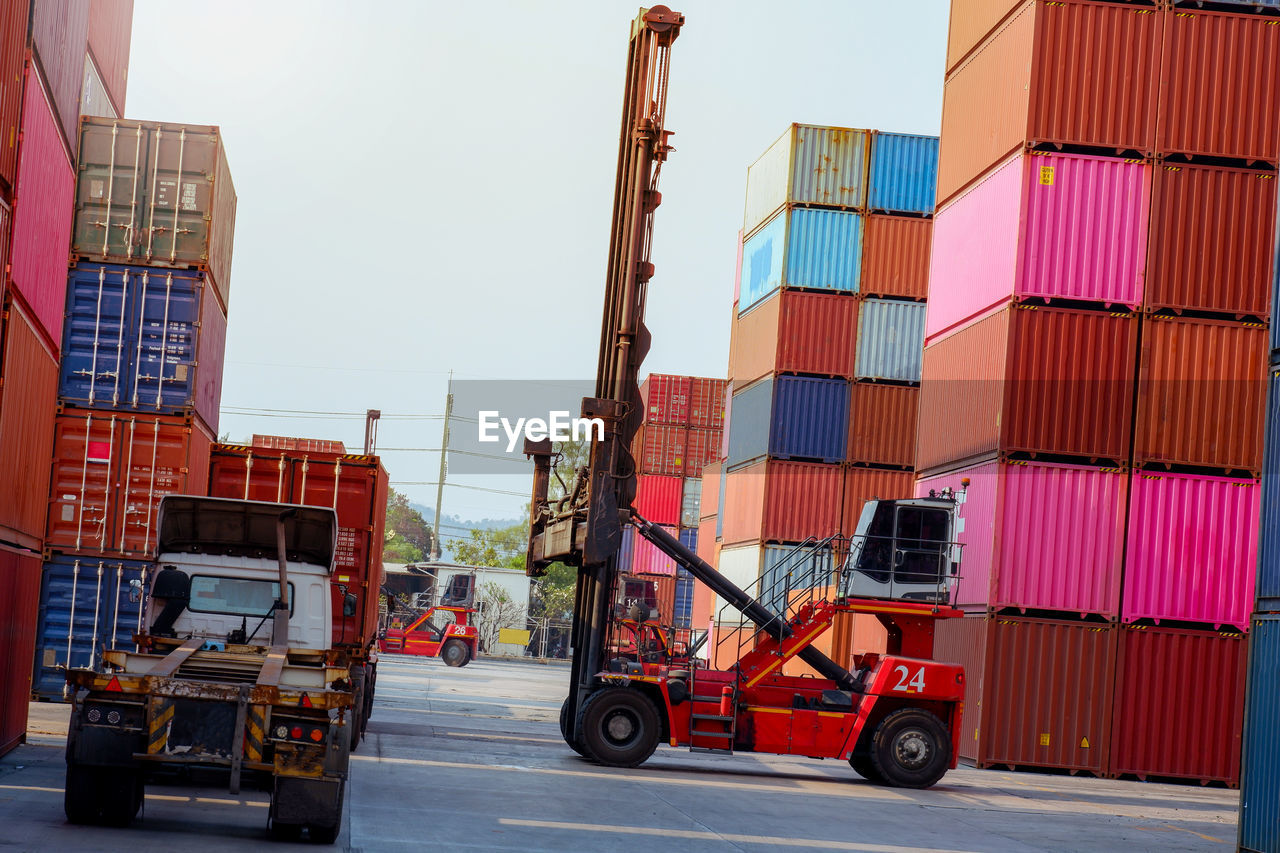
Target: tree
553 593
571 455
408 537
503 548
498 610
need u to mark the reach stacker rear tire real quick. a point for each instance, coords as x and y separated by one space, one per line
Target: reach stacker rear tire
455 653
619 727
911 749
576 746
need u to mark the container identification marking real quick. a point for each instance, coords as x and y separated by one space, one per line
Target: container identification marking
1046 176
1044 738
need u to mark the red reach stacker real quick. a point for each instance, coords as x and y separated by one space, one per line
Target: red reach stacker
893 717
444 629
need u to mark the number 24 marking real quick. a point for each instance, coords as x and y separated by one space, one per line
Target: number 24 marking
916 683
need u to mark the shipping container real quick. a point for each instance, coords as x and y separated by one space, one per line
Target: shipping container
788 572
1062 72
658 498
728 408
660 590
647 559
971 22
737 272
689 538
156 194
355 486
707 542
807 248
42 212
1039 537
666 399
1268 576
895 256
94 100
691 503
807 165
19 598
28 402
720 502
701 447
741 566
882 424
709 502
143 340
774 501
627 549
890 340
794 332
790 417
706 403
14 18
1198 732
110 34
310 445
1192 549
1033 381
1201 394
1260 763
685 597
1041 227
904 173
863 484
660 449
1218 96
60 34
1206 251
88 605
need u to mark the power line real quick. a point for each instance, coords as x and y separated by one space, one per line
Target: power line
458 486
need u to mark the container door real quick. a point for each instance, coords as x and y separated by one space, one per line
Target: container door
182 168
109 192
166 308
95 357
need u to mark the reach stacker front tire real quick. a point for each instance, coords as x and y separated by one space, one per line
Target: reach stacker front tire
865 767
619 727
911 749
455 653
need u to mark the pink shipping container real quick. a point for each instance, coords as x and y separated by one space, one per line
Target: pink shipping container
60 32
666 399
110 31
42 212
646 559
1192 549
658 499
1041 227
1040 536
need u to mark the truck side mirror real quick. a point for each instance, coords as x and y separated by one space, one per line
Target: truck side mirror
348 605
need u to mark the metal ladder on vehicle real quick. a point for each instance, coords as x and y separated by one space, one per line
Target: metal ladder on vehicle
707 724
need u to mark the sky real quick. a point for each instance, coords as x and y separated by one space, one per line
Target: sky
426 187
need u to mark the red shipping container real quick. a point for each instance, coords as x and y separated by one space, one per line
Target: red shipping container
42 213
1159 728
794 332
895 256
19 617
702 448
882 424
776 501
111 470
1218 93
60 32
28 403
311 445
354 486
1205 251
110 32
13 51
1201 394
706 403
864 484
660 449
658 498
666 399
661 590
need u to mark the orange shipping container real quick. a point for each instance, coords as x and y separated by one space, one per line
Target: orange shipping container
864 484
28 402
776 501
971 22
895 256
794 332
709 506
882 424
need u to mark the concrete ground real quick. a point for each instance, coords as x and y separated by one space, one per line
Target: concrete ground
472 759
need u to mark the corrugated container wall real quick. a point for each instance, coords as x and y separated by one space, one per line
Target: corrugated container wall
710 501
647 559
28 402
890 340
13 46
660 449
60 32
904 173
666 399
691 504
110 34
790 417
794 332
1260 768
807 165
701 447
864 484
775 501
1198 732
94 100
307 445
804 248
882 424
658 498
19 598
895 256
971 22
1268 578
706 403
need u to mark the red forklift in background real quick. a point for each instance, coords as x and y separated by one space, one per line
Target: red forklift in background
893 717
443 628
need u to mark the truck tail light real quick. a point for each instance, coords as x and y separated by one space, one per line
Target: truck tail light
317 735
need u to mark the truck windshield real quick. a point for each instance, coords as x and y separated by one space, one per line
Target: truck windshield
234 596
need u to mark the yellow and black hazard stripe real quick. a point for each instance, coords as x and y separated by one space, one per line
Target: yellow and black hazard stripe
255 725
158 730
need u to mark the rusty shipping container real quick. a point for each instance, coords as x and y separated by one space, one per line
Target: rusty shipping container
110 471
823 166
1219 95
19 604
13 51
660 449
1038 691
28 402
862 484
882 424
1201 394
1210 247
110 34
1075 72
1033 381
775 501
794 332
895 256
1198 735
60 35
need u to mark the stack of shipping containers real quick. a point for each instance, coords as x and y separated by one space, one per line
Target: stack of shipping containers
825 347
1095 346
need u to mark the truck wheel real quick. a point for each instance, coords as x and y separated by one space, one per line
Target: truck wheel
576 746
329 834
865 767
102 795
911 748
455 653
285 831
82 795
619 727
357 709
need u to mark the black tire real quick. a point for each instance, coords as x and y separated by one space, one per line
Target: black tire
81 798
328 834
357 713
102 795
576 746
865 767
619 727
911 748
285 831
455 653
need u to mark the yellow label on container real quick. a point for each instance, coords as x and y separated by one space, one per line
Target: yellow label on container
1044 738
1084 743
1046 176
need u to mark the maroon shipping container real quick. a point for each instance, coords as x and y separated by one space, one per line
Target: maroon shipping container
1161 729
1218 94
13 52
794 332
882 424
1038 692
864 484
311 445
1034 381
42 212
28 402
1211 243
1201 394
110 34
60 33
666 399
774 501
659 449
895 256
706 403
702 447
660 589
658 498
19 617
110 471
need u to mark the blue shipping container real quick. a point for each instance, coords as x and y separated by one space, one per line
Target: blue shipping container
689 538
904 173
803 248
790 417
890 340
142 340
87 605
1275 287
1260 763
1268 587
720 503
683 615
628 545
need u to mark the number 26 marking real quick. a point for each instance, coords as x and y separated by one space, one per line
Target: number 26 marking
915 685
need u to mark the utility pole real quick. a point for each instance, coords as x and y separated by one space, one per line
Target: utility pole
444 456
